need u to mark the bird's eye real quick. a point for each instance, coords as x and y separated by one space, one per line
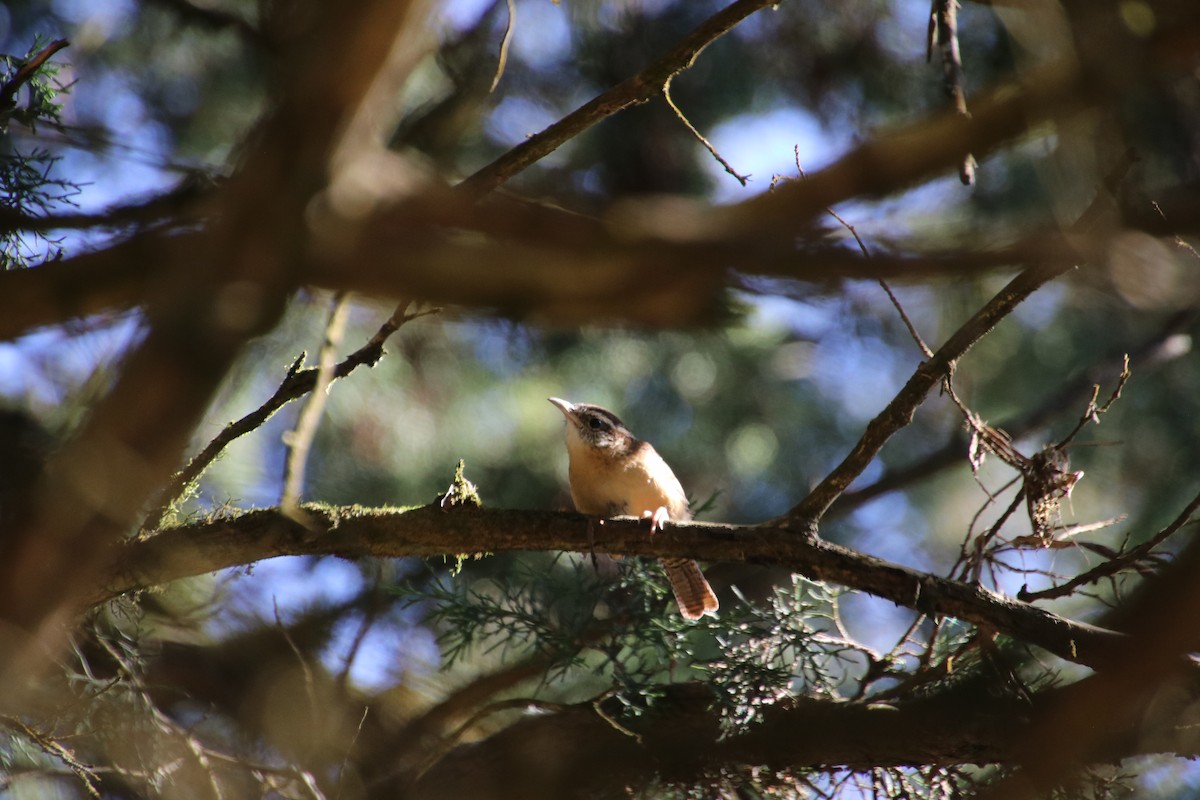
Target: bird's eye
596 424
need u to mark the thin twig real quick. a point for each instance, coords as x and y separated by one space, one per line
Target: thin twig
899 412
370 616
973 568
57 750
201 754
294 773
636 90
666 92
1113 566
862 246
908 323
310 688
943 21
1180 242
346 758
1093 411
971 548
299 440
597 706
505 41
296 384
1063 534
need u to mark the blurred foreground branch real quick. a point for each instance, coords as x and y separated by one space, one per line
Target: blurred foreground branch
579 754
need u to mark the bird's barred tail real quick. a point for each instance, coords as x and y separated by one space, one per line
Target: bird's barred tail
692 592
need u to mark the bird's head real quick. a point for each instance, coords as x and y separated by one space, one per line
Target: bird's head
594 428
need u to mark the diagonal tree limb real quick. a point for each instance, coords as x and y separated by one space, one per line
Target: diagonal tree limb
940 365
642 87
297 383
899 412
1157 349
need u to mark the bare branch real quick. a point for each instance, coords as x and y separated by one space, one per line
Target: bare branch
943 25
641 87
899 412
210 302
297 383
1120 563
58 751
1158 348
666 91
502 60
431 531
300 439
862 247
1094 411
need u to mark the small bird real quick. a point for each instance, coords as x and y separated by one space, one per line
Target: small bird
613 472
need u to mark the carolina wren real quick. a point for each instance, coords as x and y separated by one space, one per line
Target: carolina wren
613 473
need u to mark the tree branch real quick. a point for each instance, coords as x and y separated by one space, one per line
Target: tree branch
8 92
899 412
430 531
299 440
172 205
296 383
208 303
1132 691
576 753
1121 562
667 267
1163 346
645 85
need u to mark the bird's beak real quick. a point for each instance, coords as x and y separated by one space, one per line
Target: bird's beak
565 406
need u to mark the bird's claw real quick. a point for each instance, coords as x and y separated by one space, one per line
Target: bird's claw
657 517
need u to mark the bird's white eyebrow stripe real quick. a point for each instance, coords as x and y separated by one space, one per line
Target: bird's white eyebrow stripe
603 413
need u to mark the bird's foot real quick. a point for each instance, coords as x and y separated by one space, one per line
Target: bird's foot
658 518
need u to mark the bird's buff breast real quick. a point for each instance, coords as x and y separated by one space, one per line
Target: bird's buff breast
613 485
